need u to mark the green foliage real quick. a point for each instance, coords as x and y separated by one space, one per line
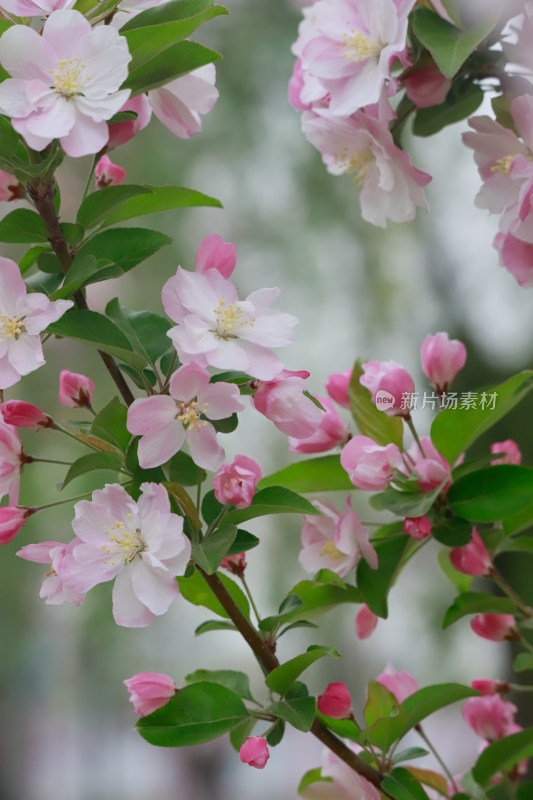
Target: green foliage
523 662
211 550
406 503
312 776
460 103
166 65
281 678
426 701
492 494
299 712
214 625
452 531
311 599
22 226
97 205
385 719
243 541
502 755
161 198
345 728
375 584
196 591
91 462
110 424
272 500
146 332
369 419
477 603
238 682
322 474
401 785
123 248
183 470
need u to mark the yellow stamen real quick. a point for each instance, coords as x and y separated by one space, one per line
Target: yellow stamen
332 552
11 327
503 165
358 47
69 78
126 544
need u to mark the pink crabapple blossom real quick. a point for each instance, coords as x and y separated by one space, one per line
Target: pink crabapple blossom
10 187
365 622
108 174
254 752
335 701
426 86
442 359
401 684
35 8
235 564
488 686
215 253
150 691
394 393
11 462
374 371
508 452
344 782
25 415
417 527
489 716
471 558
517 258
53 590
65 82
430 468
23 316
217 329
283 402
495 627
75 390
141 544
331 432
12 519
370 466
235 482
337 387
166 422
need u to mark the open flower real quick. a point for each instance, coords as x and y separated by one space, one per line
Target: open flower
22 318
283 401
331 432
65 82
166 422
141 544
53 590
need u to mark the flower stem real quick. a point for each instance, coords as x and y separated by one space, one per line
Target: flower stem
249 596
500 581
412 428
422 734
62 502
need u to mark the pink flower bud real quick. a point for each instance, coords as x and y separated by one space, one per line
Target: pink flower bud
365 622
417 527
442 359
472 558
394 393
331 432
401 684
430 467
496 627
12 519
282 400
369 465
490 716
122 132
108 174
25 415
215 253
150 691
255 752
235 564
487 686
510 452
75 390
337 387
335 701
10 187
426 86
235 483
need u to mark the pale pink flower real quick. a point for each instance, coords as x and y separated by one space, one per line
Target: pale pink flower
363 147
235 482
488 686
337 387
215 328
299 86
10 187
417 527
75 390
11 462
166 422
180 104
489 716
426 86
345 782
12 519
108 174
64 82
25 415
331 432
254 752
122 132
283 402
348 47
215 253
365 622
53 590
442 358
509 450
517 258
335 701
430 469
369 465
235 564
22 318
334 541
374 371
140 544
35 8
150 691
401 684
471 558
495 627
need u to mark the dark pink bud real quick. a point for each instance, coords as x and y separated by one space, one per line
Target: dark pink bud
496 627
25 415
472 558
337 387
12 519
255 752
235 564
442 359
487 686
215 253
426 86
75 390
365 622
108 174
150 691
508 450
417 527
490 716
235 482
394 393
335 701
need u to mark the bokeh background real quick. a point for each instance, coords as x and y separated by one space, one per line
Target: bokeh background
66 723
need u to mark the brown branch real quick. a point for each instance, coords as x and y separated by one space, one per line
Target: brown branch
269 662
42 196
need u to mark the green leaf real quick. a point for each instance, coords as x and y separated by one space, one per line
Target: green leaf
41 282
8 136
376 584
226 425
477 603
188 11
210 551
282 677
433 779
91 462
458 579
523 662
459 104
369 419
491 494
455 429
519 522
272 500
240 732
22 226
30 257
449 46
164 66
312 776
502 755
345 728
407 504
299 713
384 717
98 331
323 474
124 248
214 625
146 331
185 502
98 204
276 733
238 682
162 198
183 470
316 599
452 531
48 262
83 270
380 703
197 592
110 424
408 754
194 715
72 232
401 785
243 541
426 701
